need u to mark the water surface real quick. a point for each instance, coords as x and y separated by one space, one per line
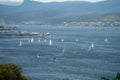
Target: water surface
73 59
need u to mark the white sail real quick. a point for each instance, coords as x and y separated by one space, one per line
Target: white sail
106 40
63 51
91 46
38 40
38 55
20 43
62 39
32 40
50 42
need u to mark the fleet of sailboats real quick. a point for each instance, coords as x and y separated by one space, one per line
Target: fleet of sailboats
62 40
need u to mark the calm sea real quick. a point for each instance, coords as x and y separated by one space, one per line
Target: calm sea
78 53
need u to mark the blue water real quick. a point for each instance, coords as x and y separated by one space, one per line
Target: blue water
76 63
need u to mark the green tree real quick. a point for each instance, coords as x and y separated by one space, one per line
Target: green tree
11 72
65 78
104 78
117 77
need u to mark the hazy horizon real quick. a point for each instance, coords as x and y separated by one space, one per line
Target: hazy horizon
19 2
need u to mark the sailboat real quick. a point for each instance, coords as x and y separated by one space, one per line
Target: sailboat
50 42
20 43
63 51
62 40
38 40
106 40
91 46
32 40
38 55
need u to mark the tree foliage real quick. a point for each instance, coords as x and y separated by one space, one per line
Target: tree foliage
65 78
116 78
11 72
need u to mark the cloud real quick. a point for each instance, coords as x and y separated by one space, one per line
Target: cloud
67 0
11 2
18 2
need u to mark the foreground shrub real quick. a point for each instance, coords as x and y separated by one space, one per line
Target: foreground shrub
65 78
11 72
116 78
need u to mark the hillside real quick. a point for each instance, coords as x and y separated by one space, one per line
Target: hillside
107 6
63 13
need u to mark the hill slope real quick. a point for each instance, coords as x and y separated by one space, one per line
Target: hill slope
31 12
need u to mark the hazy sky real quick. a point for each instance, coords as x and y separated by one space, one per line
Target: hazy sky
16 2
67 0
11 2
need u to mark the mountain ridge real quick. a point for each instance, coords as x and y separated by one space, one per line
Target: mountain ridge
31 12
109 6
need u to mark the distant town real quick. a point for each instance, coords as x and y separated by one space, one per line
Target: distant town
96 24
